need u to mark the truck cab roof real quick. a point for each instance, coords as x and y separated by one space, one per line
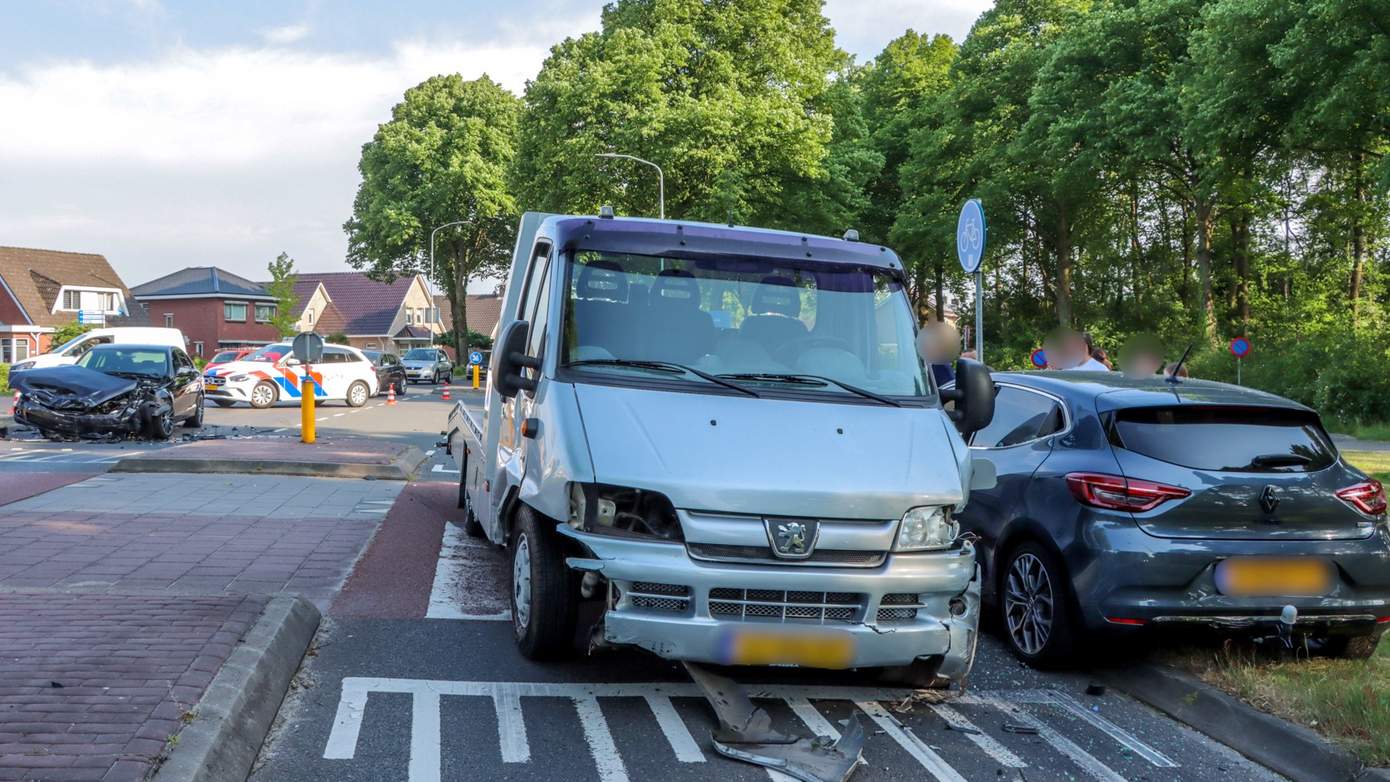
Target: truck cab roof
677 238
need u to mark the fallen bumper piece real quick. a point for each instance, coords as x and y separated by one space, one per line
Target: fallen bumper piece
745 733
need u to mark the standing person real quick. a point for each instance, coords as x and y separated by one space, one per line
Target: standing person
938 343
1142 356
1096 353
1067 350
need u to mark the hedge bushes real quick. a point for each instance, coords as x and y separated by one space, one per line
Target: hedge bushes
4 378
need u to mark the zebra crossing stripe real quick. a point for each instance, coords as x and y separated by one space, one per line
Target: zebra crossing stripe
673 727
990 745
601 745
1083 759
932 762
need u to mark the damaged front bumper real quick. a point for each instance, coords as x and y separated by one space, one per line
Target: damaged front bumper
913 606
124 419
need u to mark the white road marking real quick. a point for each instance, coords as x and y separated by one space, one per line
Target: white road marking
984 741
429 453
443 469
1110 729
448 578
511 728
425 738
339 415
677 734
601 746
932 762
1085 760
281 429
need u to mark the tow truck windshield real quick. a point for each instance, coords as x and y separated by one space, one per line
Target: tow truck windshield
763 324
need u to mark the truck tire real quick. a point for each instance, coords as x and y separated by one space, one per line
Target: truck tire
471 527
544 594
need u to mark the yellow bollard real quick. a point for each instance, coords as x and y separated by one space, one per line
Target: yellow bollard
475 375
306 408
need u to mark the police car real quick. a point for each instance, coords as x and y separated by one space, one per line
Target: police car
271 374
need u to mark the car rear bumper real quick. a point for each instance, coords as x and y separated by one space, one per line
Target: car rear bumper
1133 577
683 609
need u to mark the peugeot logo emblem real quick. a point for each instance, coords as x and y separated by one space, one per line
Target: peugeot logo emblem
1269 500
792 539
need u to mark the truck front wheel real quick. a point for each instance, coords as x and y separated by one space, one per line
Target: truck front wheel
544 593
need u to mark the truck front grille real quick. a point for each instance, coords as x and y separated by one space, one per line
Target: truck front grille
775 605
898 607
716 552
665 598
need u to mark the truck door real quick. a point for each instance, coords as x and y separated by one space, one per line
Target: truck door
535 309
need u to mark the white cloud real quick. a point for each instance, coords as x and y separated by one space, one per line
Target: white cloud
285 35
864 28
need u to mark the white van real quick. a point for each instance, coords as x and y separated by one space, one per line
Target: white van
73 349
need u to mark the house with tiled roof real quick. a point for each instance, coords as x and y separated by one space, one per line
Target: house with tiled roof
213 307
482 310
41 290
389 316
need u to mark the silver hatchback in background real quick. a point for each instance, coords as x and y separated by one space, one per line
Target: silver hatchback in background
722 441
427 365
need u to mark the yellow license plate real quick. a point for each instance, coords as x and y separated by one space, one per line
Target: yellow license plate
808 649
1274 577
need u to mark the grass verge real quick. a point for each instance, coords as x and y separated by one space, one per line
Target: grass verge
1378 430
1345 700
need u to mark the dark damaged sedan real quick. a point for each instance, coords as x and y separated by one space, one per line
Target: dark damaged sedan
1127 504
113 391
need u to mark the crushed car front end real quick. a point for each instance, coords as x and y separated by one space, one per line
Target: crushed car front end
75 402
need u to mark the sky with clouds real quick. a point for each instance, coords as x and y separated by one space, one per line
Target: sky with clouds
167 134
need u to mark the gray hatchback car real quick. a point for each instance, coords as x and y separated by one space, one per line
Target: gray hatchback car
1131 503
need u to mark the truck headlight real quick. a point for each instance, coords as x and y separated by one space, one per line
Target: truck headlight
926 528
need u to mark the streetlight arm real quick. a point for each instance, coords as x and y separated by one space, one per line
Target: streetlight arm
660 177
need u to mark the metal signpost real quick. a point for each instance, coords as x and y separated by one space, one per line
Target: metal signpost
308 349
1240 348
970 248
475 357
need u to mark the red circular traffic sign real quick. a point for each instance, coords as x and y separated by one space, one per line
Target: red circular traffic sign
1240 347
1039 358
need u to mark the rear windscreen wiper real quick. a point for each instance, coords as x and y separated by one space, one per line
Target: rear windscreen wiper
1280 460
662 366
814 380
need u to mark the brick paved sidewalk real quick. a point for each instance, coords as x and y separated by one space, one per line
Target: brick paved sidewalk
92 687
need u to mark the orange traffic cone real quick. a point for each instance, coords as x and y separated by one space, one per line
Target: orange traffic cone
446 392
391 394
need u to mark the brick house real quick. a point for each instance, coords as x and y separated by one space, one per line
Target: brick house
213 307
391 316
41 290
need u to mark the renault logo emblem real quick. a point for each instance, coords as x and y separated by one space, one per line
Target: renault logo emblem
1269 500
792 538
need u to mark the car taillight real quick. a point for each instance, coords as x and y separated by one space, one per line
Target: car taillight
1114 492
1367 497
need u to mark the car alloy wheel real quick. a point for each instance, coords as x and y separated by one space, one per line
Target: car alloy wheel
1029 604
357 394
263 395
521 584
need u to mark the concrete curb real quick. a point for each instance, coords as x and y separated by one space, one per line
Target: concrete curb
400 469
1291 750
234 715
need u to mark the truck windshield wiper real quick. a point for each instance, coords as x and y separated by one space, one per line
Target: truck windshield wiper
1280 460
662 366
814 380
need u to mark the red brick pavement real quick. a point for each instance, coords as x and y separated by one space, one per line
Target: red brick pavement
124 552
93 686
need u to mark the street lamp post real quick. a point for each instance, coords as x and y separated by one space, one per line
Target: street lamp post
660 178
432 307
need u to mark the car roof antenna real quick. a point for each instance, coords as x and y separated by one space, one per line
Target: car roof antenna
1173 373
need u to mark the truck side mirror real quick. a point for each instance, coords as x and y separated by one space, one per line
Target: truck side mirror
973 395
513 360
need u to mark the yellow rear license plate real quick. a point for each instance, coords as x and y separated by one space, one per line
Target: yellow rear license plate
1274 577
808 649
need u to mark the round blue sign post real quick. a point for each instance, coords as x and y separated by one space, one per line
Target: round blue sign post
475 357
970 249
1039 358
1240 348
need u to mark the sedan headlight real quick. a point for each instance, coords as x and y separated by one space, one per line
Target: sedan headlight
22 366
238 378
926 528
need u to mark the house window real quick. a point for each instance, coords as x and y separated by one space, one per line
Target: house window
309 316
264 312
168 320
21 349
72 300
234 311
198 349
107 302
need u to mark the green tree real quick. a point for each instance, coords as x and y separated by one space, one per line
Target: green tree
281 286
443 157
729 98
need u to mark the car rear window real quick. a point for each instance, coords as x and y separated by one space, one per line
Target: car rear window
1226 439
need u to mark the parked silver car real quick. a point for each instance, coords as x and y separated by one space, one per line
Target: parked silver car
725 440
427 365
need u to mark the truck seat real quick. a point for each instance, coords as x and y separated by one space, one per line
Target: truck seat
674 327
776 314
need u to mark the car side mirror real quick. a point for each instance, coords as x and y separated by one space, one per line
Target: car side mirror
973 395
513 360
